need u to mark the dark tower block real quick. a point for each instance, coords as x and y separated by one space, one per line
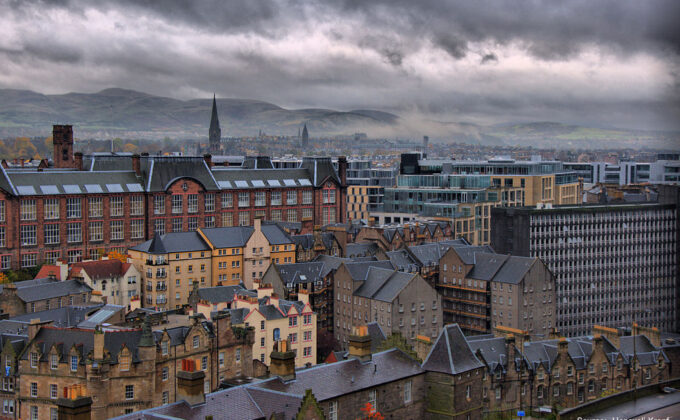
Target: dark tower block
215 133
62 140
305 137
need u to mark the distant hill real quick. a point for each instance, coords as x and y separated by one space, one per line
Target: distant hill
558 135
117 112
130 114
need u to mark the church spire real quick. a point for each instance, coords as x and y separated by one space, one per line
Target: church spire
215 133
305 136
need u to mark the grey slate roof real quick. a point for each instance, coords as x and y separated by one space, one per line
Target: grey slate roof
361 249
493 350
514 269
403 260
219 294
451 353
486 265
383 284
83 341
359 270
237 236
67 316
106 173
300 272
335 379
74 182
174 242
52 290
306 241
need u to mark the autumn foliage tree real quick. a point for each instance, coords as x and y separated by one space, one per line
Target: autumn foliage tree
368 412
115 255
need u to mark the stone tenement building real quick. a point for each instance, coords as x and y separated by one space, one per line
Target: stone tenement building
481 289
613 264
374 291
84 206
126 370
42 294
461 378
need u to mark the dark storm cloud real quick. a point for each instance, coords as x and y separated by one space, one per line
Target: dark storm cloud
452 57
489 58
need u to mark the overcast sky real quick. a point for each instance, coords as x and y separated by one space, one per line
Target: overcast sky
609 63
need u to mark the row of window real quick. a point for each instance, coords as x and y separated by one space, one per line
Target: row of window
95 207
227 200
74 232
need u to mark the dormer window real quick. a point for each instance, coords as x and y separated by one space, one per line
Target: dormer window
124 362
34 359
54 361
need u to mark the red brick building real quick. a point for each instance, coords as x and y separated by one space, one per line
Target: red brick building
83 206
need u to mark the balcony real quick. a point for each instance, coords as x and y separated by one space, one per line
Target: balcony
161 287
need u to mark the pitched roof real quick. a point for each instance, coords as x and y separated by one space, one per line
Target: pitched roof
83 341
514 269
219 294
383 284
52 290
174 242
344 377
66 316
49 270
359 270
300 272
451 353
103 269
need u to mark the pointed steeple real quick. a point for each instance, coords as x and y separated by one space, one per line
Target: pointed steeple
305 136
214 133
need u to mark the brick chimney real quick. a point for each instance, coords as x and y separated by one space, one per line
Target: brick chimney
562 346
306 226
62 142
360 344
35 326
78 161
342 170
283 361
257 224
190 383
136 165
98 344
75 405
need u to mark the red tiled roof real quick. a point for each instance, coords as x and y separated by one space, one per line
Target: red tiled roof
48 270
101 268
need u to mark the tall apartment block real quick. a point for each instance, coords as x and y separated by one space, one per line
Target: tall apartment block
366 187
614 264
665 170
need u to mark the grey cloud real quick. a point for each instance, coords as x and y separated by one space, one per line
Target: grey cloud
395 30
489 58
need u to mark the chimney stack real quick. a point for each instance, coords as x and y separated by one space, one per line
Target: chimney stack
562 346
342 170
78 160
208 160
75 405
35 326
98 344
190 383
136 165
62 142
283 361
360 344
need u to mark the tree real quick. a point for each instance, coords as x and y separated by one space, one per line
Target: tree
368 412
399 341
115 255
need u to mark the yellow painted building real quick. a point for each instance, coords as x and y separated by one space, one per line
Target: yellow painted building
171 263
541 188
360 199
